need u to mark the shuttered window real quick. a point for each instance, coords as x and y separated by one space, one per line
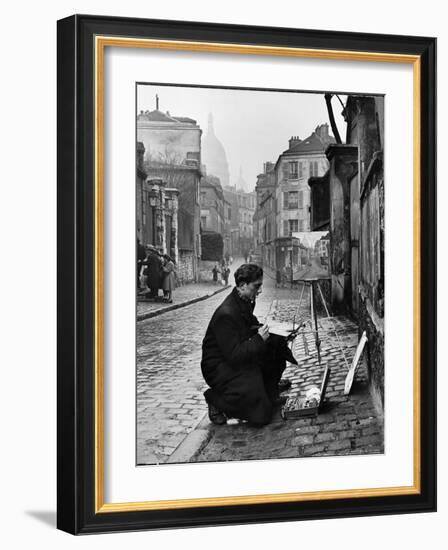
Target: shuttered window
293 226
293 199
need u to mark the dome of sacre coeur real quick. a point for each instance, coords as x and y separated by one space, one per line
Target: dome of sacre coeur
214 156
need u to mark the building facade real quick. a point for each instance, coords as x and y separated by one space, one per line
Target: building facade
246 210
215 210
354 186
173 155
265 216
365 124
156 211
241 207
303 159
212 205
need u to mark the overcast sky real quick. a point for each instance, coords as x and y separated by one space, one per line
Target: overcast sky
253 126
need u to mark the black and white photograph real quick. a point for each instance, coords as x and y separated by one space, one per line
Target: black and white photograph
259 274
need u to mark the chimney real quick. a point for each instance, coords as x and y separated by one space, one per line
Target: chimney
322 132
268 167
295 140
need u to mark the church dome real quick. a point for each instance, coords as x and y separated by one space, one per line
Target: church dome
214 156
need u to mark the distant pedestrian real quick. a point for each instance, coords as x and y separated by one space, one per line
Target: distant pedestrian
225 275
168 279
141 255
215 272
144 289
278 277
153 270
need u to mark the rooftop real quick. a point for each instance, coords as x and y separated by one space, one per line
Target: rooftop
159 116
313 143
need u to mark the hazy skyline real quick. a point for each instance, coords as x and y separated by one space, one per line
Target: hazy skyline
253 126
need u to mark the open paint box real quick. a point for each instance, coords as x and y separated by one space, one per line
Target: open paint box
297 406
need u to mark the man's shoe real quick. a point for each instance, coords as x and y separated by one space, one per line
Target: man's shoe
284 385
216 416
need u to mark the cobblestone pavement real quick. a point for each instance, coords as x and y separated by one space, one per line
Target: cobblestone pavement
170 387
182 294
171 409
346 424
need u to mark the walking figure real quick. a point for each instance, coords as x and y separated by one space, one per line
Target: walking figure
225 275
168 279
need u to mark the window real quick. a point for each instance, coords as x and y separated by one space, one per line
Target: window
293 226
314 169
300 199
301 224
204 222
290 200
293 199
293 169
300 169
290 227
191 155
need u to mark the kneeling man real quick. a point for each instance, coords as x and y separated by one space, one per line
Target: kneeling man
241 362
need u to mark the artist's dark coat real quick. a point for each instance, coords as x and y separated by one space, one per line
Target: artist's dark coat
241 369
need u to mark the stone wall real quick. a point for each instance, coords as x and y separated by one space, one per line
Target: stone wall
343 166
186 267
370 322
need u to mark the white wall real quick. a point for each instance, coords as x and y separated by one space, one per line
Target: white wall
28 273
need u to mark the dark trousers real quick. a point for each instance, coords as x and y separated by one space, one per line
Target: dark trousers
250 394
274 364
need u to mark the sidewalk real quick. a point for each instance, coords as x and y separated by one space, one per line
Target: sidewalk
346 425
182 296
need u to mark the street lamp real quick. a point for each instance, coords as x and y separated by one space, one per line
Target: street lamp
152 197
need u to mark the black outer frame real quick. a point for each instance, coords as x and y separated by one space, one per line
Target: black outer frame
75 172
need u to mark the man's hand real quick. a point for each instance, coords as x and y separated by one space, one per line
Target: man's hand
264 332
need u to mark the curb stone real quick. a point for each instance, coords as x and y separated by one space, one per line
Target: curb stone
160 311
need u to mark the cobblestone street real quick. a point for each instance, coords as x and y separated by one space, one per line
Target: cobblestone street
172 424
345 425
189 293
